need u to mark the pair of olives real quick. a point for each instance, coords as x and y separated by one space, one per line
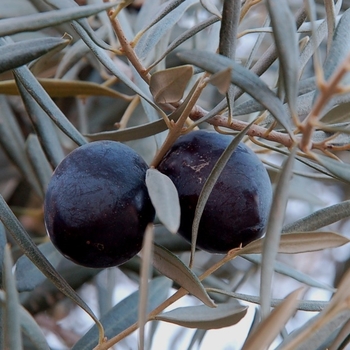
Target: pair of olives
97 205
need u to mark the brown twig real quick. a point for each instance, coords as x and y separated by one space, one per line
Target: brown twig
127 49
327 91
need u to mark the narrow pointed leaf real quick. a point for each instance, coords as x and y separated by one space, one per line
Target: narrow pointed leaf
203 317
155 33
165 199
171 266
294 243
268 330
12 142
286 41
243 78
22 52
37 158
320 218
316 338
339 302
304 305
186 35
25 77
210 183
28 276
125 313
63 4
44 127
48 19
145 274
210 7
340 47
32 330
168 86
273 232
12 325
3 241
66 88
291 272
337 168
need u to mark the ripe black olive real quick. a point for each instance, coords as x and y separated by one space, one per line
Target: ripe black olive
97 205
237 209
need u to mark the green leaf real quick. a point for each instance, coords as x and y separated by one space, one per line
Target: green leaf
304 305
29 326
273 232
22 52
165 199
243 78
320 218
171 266
291 272
184 36
340 46
145 274
294 243
168 86
210 183
3 241
12 142
44 128
38 21
203 317
32 330
33 87
125 313
267 330
155 33
39 161
12 326
316 338
337 168
211 8
28 276
286 40
63 4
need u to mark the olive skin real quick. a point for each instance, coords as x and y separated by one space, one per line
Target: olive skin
237 209
97 206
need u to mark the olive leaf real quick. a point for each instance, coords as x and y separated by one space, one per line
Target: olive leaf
273 232
17 54
38 21
168 86
11 318
171 266
265 333
165 199
203 317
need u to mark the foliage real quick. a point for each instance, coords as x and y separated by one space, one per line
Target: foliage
143 73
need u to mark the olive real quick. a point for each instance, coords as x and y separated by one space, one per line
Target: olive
237 209
97 206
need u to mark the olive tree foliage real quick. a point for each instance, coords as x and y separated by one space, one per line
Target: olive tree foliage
273 73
